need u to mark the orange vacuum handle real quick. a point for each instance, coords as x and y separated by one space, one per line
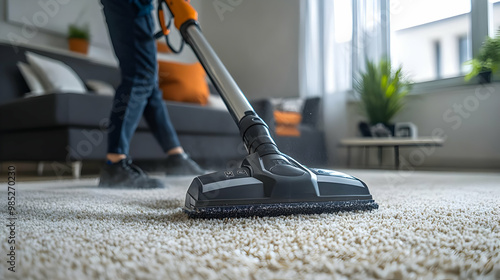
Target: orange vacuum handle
182 12
161 18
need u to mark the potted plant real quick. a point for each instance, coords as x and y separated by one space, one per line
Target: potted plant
487 62
78 38
381 91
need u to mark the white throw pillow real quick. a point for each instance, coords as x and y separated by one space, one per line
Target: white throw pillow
34 84
288 104
55 75
216 102
101 87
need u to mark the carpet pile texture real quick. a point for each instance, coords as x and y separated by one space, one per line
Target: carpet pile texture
429 226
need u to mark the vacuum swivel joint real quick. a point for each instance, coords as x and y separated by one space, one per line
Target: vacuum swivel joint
256 135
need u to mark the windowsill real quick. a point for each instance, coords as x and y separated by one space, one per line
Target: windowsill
436 86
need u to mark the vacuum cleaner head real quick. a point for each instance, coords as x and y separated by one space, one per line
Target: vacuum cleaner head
275 185
268 183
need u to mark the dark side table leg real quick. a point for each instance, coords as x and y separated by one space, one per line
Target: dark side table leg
380 156
396 156
366 151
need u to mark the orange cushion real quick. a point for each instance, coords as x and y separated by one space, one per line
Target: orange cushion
287 123
285 130
183 82
289 118
162 47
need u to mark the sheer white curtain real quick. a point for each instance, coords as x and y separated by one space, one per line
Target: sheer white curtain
336 38
311 48
370 32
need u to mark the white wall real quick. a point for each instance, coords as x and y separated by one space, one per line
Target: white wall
39 38
46 36
467 115
51 36
258 41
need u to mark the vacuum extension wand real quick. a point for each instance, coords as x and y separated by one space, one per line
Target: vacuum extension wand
268 183
186 21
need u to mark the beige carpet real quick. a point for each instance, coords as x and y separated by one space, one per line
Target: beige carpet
429 226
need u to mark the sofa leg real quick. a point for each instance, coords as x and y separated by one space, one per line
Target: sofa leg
39 168
76 168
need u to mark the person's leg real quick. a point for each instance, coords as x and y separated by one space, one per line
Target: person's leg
157 117
178 163
156 114
128 31
158 120
131 31
132 40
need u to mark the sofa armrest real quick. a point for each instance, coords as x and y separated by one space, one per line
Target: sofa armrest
311 111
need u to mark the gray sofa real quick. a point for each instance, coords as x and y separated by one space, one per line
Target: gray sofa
309 148
65 129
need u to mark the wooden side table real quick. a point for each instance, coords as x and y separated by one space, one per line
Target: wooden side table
395 142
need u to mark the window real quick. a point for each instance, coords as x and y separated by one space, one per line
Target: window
341 68
496 15
463 54
342 14
437 51
424 37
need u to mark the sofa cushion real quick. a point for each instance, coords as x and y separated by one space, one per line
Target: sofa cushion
183 82
35 85
55 75
13 85
91 110
287 123
100 87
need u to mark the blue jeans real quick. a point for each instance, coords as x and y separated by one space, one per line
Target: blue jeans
131 29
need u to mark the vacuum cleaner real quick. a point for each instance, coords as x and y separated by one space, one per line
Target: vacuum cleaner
268 183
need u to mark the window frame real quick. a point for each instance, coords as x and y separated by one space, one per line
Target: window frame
437 59
463 47
481 25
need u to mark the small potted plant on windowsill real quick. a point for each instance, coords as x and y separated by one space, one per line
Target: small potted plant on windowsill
78 38
487 62
382 91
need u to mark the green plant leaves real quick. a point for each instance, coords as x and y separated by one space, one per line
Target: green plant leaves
488 58
80 32
381 91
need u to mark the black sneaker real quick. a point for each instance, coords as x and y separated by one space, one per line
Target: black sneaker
125 175
182 164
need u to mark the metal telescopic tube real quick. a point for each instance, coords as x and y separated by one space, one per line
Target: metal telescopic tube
223 81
